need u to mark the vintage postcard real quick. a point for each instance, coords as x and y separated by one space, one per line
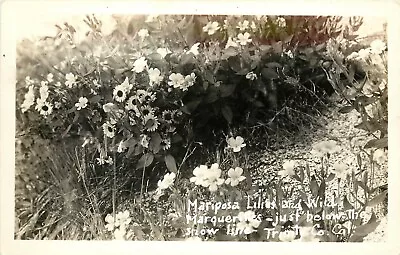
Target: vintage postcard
243 125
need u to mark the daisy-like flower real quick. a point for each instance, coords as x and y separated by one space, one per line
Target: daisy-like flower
380 156
147 110
199 175
119 93
288 168
243 25
377 46
213 179
149 97
70 80
163 52
236 144
235 176
165 144
281 22
154 76
251 76
243 39
248 223
139 65
50 77
143 33
167 116
29 99
140 93
45 108
151 122
287 236
230 43
167 181
340 170
211 27
82 103
194 49
109 107
144 140
132 103
109 130
176 80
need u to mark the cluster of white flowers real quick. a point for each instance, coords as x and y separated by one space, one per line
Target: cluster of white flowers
29 99
119 224
179 81
211 177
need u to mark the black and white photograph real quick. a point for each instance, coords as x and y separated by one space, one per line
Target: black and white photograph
201 127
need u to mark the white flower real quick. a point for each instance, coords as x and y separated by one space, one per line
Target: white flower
121 147
230 43
28 80
151 18
163 52
122 219
139 65
377 46
143 33
248 223
109 107
189 81
126 85
82 103
70 80
165 144
194 49
288 168
167 181
109 130
281 22
50 77
251 76
151 122
323 148
58 84
44 108
199 175
340 170
154 76
110 222
253 26
235 176
176 80
287 236
144 140
307 235
380 156
236 143
147 110
353 56
213 179
119 93
211 27
243 39
243 25
44 92
119 234
363 54
29 99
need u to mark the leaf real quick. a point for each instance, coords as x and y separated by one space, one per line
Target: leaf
227 113
229 52
378 199
367 228
95 99
346 204
269 73
330 177
227 89
377 143
314 186
321 190
191 106
346 109
145 161
155 142
171 164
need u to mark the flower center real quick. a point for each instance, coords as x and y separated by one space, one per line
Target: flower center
168 116
146 111
120 93
110 129
45 108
